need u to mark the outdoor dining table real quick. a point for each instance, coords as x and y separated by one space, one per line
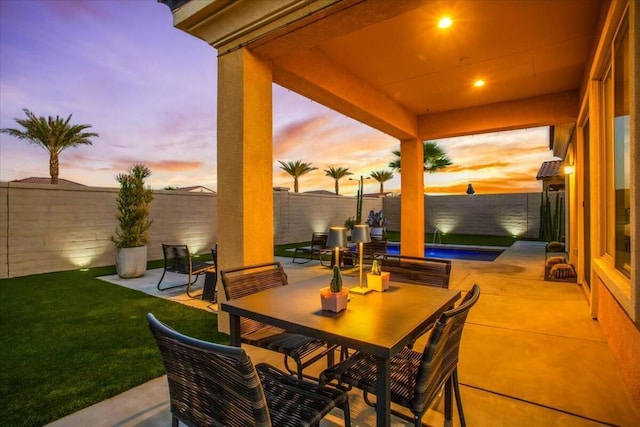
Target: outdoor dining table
378 323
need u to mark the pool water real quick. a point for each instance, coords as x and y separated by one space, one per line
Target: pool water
456 252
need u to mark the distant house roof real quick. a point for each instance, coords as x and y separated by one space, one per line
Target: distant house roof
195 189
550 169
47 180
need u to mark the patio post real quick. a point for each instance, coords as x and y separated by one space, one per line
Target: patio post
412 199
245 168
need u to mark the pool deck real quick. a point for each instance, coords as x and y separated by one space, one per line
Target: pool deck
530 355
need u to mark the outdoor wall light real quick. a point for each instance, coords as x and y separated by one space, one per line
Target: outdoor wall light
360 235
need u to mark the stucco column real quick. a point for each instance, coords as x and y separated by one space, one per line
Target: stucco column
412 199
245 165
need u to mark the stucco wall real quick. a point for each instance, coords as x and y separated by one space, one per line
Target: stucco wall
623 337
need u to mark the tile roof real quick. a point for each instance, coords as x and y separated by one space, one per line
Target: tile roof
550 169
47 180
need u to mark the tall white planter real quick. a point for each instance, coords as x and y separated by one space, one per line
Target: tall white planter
131 262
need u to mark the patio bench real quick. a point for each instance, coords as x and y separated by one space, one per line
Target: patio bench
423 271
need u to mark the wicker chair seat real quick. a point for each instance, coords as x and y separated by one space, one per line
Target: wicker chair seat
360 372
293 402
294 345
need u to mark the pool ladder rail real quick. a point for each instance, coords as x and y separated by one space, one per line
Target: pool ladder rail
438 235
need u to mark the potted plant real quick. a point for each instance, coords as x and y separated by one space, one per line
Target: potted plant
334 298
132 204
350 223
377 279
376 222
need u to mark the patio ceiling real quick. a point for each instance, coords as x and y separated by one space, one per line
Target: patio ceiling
387 64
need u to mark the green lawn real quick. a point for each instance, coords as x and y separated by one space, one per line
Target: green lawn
69 340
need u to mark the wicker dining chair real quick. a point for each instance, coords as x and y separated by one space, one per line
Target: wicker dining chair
242 281
416 378
213 384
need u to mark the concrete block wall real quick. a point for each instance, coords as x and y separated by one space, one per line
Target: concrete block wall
298 215
4 230
482 214
49 228
45 228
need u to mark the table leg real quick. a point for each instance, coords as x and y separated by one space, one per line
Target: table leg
383 392
234 330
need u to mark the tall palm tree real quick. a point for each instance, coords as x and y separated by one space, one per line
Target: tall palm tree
52 134
336 174
381 176
434 158
296 169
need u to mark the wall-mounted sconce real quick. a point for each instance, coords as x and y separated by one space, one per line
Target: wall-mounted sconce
568 169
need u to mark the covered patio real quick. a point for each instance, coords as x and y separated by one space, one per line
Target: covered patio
497 65
530 355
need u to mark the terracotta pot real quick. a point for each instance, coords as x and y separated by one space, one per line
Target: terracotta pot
378 283
334 301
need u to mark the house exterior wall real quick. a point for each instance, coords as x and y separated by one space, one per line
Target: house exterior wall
623 337
615 298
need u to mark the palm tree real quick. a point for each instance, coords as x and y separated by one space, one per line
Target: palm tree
381 176
336 174
434 158
296 169
54 135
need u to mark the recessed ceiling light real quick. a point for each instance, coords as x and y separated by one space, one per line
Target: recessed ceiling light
445 22
478 83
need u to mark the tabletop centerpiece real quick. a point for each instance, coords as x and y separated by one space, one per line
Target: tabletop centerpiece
334 297
377 279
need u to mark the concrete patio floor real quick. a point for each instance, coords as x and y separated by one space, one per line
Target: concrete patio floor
530 355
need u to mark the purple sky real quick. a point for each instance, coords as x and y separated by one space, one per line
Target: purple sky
149 91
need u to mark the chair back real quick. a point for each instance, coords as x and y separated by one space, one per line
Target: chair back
177 258
319 240
440 355
374 249
419 270
242 281
209 384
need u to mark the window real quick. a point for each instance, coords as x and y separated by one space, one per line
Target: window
616 87
621 149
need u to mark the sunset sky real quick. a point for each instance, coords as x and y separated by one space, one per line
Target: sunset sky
149 91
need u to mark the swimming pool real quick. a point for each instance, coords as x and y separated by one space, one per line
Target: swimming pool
453 252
